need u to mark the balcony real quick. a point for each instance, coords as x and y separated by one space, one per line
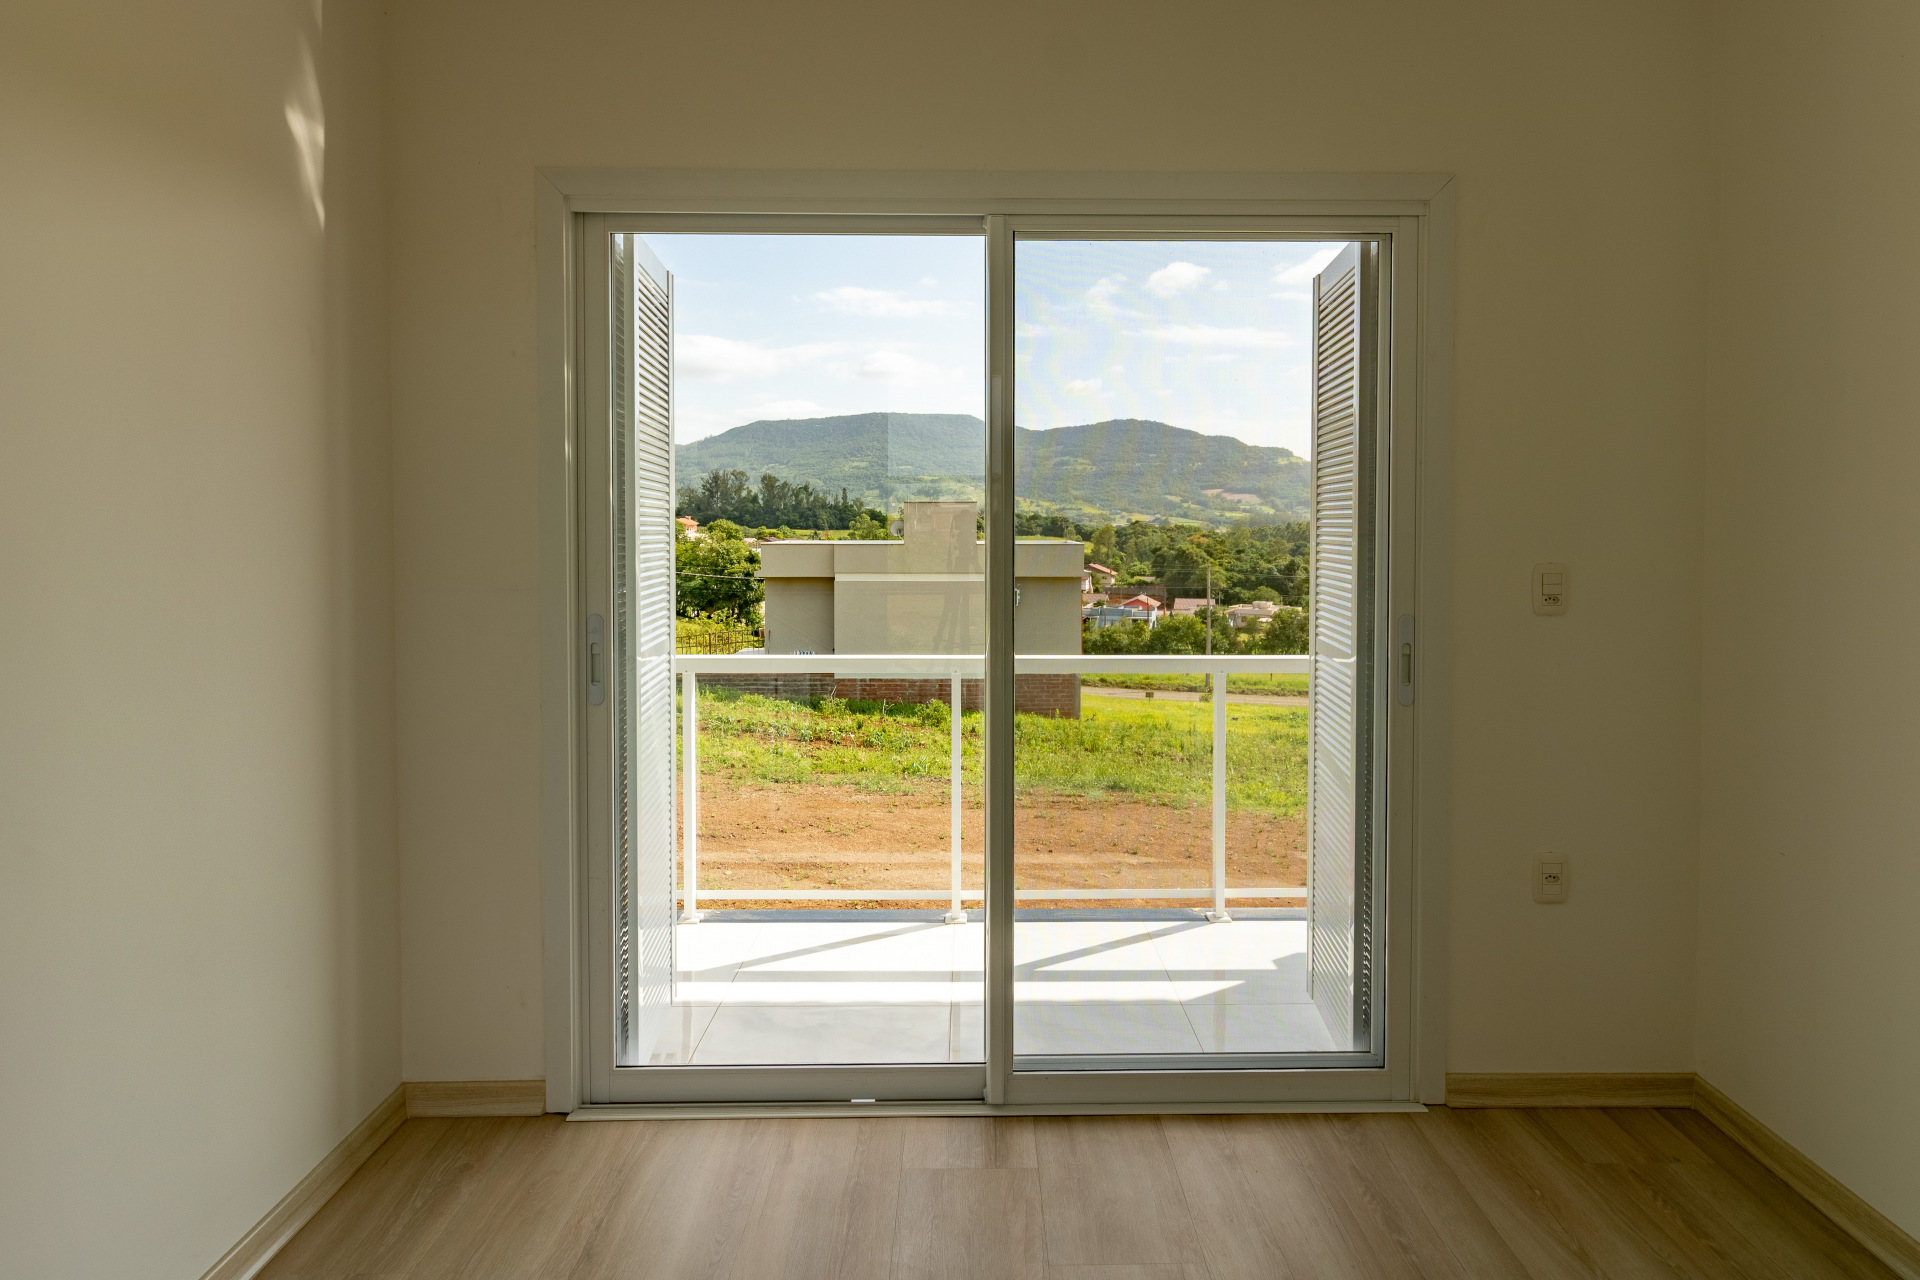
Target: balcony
806 938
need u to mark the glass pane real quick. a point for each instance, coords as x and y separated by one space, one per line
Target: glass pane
831 456
1164 409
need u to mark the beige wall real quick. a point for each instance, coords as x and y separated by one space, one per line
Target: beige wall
1809 1003
198 899
802 608
1578 134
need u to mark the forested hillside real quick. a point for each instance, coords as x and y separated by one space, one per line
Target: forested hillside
1100 473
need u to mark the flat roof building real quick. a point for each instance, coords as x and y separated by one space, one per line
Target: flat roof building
922 593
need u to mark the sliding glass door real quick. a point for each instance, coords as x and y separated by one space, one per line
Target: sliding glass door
985 693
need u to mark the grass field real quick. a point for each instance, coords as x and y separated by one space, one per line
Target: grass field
1281 685
1159 752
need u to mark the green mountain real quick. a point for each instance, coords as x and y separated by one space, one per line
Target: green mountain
1118 470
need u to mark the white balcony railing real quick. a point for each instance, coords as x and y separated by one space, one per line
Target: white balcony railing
958 667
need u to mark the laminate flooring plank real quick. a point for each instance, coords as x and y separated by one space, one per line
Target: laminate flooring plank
1655 1132
1232 1199
969 1142
969 1224
1768 1211
463 1167
1610 1161
464 1233
1519 1210
1622 1246
1690 1197
1444 1231
1765 1209
1649 1207
1371 1236
1593 1136
324 1244
547 1216
1111 1193
1258 1210
828 1208
1392 1235
682 1210
1121 1271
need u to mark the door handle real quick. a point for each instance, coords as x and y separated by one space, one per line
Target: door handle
1403 637
596 660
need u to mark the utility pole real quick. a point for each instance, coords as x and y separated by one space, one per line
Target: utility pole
1209 611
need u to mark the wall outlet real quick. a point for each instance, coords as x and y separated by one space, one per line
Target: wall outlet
1550 584
1551 878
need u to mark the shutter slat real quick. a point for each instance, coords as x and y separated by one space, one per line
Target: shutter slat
1337 934
644 592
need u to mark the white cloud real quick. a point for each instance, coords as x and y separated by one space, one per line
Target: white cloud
1100 297
706 358
895 367
1304 272
1084 386
928 281
881 302
1176 277
1204 335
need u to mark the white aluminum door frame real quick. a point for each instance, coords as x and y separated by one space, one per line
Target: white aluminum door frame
1411 213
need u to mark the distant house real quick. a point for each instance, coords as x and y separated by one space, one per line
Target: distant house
1157 594
1140 601
1189 604
1240 615
1111 615
1100 578
923 593
691 525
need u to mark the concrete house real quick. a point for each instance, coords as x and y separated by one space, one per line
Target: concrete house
923 593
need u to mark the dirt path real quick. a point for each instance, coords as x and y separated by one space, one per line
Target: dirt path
819 837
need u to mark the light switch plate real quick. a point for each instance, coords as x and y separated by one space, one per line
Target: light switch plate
1550 585
1552 878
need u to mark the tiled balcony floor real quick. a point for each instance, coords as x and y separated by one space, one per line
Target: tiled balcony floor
886 987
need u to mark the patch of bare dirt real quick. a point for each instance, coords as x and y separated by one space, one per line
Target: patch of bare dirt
821 837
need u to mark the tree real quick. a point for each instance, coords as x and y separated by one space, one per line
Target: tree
716 573
1285 632
867 528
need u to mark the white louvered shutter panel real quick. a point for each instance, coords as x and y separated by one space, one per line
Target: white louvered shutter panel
643 622
1338 869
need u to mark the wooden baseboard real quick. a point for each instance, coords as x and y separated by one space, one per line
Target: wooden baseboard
258 1246
442 1098
1571 1089
1853 1215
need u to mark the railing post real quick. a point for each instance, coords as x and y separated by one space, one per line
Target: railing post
1218 683
954 913
690 765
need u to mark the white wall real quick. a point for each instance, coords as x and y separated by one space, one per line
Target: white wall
1578 134
198 925
1810 962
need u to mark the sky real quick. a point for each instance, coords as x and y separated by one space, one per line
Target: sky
816 326
1211 336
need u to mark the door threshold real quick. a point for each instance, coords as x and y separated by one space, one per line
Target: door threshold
848 1110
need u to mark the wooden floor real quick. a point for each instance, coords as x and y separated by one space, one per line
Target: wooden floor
1481 1195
